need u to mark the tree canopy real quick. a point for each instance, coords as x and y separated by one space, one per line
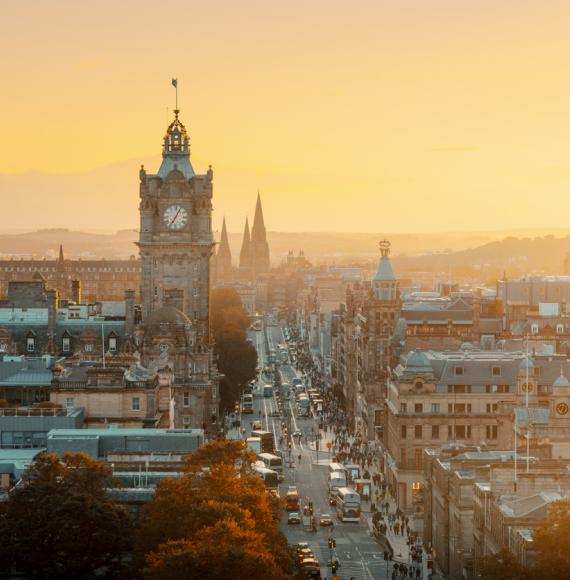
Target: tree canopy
60 523
212 523
237 359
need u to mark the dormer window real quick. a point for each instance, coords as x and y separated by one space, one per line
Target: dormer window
66 344
112 344
559 329
3 347
534 329
31 344
88 347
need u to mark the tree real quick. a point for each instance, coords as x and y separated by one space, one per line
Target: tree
209 498
237 359
221 551
60 523
552 543
503 566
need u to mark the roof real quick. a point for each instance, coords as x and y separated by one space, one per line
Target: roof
168 315
31 372
418 362
385 272
524 507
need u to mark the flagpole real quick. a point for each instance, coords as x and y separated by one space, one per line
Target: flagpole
176 93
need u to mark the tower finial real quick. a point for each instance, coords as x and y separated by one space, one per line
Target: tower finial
175 85
384 248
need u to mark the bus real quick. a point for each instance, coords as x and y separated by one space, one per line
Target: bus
270 478
267 440
247 404
353 471
268 390
337 479
271 461
337 467
292 500
348 505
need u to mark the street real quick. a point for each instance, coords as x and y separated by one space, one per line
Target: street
359 554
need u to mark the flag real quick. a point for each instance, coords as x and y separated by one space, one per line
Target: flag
175 83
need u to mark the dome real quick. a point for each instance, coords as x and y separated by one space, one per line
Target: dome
418 362
168 315
561 381
468 346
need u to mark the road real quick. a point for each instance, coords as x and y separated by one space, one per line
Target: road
359 554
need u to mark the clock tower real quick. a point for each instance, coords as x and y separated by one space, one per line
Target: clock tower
175 239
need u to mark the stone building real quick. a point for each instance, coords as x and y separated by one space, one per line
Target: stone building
100 279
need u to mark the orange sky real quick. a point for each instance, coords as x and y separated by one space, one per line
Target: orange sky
401 115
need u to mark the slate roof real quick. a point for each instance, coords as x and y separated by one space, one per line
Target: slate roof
385 272
27 372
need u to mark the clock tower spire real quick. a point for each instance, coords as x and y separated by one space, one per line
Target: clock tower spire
175 238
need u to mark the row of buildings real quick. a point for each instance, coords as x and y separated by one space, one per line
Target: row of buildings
449 381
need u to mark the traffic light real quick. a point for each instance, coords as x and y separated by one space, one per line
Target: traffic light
334 567
334 543
330 543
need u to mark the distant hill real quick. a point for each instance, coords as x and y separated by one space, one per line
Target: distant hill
488 252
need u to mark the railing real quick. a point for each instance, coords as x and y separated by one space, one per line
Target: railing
39 412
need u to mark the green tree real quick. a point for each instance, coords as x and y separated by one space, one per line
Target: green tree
60 523
237 359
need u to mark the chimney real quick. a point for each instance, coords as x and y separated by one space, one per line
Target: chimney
174 297
76 291
129 312
53 304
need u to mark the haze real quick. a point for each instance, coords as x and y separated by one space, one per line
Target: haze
349 116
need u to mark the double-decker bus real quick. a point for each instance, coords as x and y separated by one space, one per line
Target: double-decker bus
270 478
292 499
271 461
267 440
348 505
268 390
247 404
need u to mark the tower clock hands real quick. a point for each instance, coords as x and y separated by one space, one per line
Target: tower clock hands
174 218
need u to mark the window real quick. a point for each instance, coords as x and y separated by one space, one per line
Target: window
31 344
435 431
460 408
418 408
186 399
403 431
492 432
156 291
496 371
403 407
136 404
418 432
66 345
112 344
3 347
196 291
418 458
435 407
404 456
186 422
89 347
559 328
450 431
69 403
460 432
492 407
163 347
459 371
534 329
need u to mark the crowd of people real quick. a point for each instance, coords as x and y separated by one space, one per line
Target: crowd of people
348 446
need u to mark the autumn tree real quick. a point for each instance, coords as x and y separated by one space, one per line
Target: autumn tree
208 500
551 543
503 566
60 523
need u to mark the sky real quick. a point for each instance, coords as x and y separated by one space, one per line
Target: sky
391 116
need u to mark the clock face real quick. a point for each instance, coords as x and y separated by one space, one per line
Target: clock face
562 408
175 217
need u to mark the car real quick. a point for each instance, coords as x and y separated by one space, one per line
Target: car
304 553
294 518
309 563
256 426
326 520
300 545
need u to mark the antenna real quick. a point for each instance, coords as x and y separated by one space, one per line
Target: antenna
527 412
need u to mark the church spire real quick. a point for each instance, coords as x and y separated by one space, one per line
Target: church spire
224 255
245 254
61 256
258 233
259 246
